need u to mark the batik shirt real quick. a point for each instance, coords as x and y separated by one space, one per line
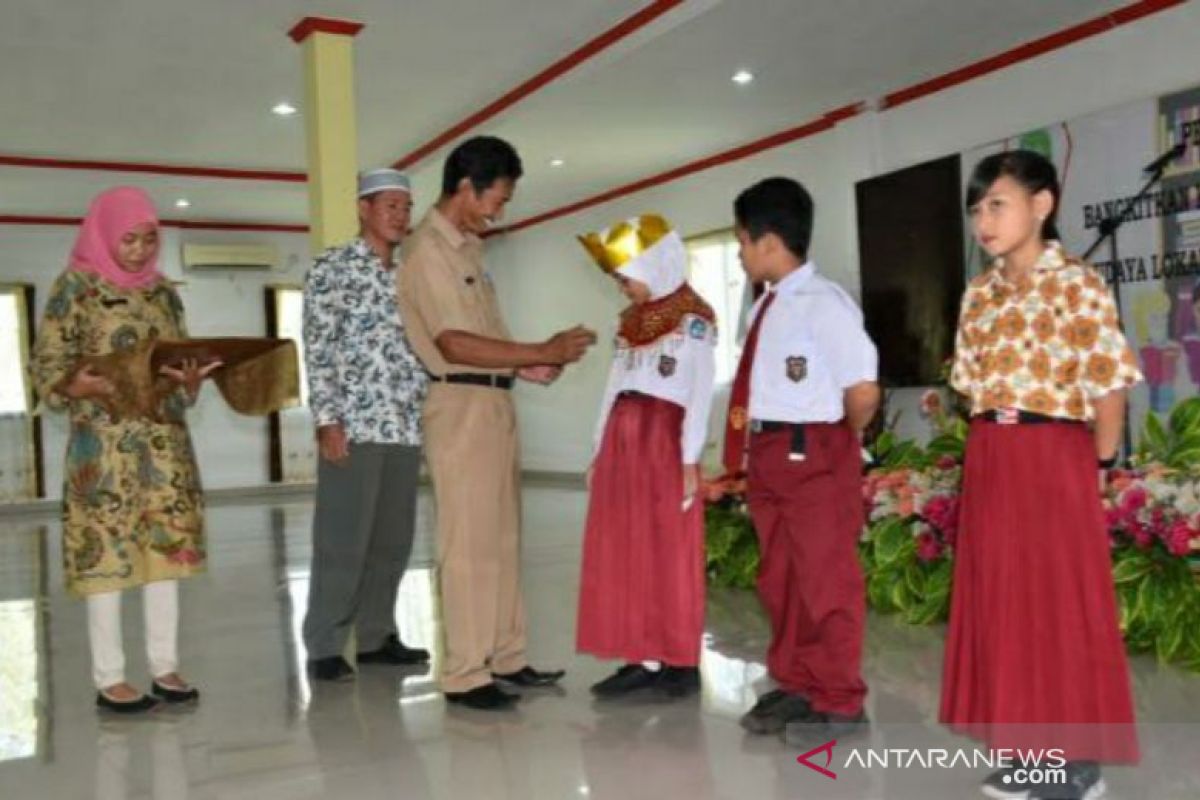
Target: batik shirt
1050 345
362 372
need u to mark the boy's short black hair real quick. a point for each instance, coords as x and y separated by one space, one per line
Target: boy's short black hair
483 160
780 206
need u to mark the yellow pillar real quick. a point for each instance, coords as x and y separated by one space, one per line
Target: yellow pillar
329 114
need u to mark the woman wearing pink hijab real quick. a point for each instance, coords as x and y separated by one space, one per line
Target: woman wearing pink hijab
131 495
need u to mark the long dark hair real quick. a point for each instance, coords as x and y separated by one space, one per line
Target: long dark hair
1032 170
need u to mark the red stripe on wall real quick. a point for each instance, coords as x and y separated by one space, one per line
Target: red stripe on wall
823 123
186 224
154 169
565 64
1037 47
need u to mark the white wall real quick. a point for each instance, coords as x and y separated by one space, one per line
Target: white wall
547 283
232 449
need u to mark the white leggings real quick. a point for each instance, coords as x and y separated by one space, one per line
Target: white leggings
160 601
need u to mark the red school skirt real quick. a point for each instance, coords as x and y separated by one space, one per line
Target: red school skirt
1034 656
641 593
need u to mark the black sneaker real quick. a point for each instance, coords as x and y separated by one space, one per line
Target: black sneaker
1083 782
629 678
1003 785
816 727
333 668
394 652
773 710
488 697
675 683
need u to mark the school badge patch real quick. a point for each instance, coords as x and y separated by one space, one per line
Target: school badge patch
666 366
797 368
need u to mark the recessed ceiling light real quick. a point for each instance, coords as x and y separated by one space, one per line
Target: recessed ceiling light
183 202
284 109
557 162
742 77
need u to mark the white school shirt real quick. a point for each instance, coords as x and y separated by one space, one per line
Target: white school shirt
811 347
679 367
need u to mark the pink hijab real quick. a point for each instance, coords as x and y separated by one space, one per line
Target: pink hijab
112 214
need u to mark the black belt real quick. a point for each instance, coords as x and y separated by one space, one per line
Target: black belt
799 447
767 425
1016 416
476 379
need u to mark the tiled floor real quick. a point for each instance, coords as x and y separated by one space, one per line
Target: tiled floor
263 732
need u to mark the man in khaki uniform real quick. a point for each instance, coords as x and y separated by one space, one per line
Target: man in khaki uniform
454 325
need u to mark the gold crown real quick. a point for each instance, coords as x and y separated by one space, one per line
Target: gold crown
615 247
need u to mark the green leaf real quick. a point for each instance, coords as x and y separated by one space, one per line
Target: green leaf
1185 418
1155 436
1131 568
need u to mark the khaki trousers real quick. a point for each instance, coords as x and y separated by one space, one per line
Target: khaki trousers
471 448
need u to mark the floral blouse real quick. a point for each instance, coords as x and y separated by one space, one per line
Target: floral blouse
1051 345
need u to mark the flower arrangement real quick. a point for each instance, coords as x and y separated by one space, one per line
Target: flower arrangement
911 496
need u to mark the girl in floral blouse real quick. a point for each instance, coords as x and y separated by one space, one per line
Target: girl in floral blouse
1034 657
131 497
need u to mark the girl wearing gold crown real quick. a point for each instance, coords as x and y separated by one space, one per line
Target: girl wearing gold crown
641 596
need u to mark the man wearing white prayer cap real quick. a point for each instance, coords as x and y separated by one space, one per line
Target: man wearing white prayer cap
366 393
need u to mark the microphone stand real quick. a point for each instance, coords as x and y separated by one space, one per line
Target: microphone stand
1108 231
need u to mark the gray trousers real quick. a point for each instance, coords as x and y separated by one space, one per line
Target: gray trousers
362 537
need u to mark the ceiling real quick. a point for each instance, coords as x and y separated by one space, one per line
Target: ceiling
192 83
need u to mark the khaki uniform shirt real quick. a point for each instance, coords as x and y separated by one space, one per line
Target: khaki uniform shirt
443 287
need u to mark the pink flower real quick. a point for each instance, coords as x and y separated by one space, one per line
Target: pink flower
942 512
946 462
931 403
1141 535
928 547
1134 500
1179 539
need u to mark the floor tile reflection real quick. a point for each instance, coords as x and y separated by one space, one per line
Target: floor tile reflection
263 732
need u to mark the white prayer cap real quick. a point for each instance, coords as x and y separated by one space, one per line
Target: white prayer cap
381 180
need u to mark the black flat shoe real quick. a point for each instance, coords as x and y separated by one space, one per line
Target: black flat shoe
817 726
395 652
189 695
334 668
139 706
675 683
488 697
530 677
626 680
772 711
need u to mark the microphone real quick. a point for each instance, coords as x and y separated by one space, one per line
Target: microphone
1159 164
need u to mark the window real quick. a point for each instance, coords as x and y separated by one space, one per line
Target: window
293 454
20 464
716 274
14 385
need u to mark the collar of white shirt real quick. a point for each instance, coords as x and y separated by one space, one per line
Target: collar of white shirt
796 278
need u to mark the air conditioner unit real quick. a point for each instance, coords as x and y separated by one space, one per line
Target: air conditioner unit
230 256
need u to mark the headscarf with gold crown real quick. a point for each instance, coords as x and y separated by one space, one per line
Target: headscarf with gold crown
645 249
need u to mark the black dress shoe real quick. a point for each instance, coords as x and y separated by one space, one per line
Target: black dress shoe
530 677
488 697
675 683
333 668
772 711
816 727
394 651
626 680
140 705
189 695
